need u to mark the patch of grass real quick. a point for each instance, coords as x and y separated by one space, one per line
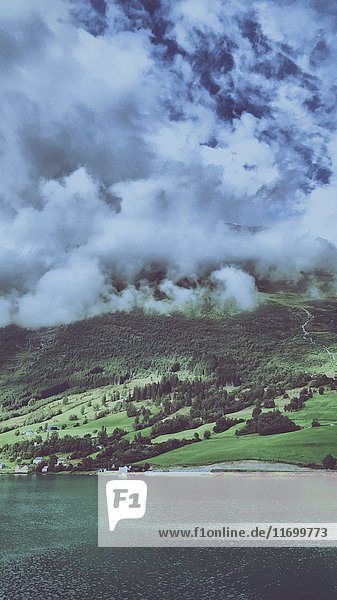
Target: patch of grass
299 447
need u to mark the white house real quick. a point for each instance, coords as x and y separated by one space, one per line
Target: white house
123 470
37 460
44 469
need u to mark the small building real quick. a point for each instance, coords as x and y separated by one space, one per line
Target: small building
37 460
52 428
21 470
2 466
123 470
44 469
29 432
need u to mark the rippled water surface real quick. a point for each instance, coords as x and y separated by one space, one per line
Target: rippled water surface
49 550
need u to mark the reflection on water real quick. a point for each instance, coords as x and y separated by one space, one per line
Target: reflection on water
49 550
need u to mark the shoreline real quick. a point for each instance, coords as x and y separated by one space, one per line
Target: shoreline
240 466
243 466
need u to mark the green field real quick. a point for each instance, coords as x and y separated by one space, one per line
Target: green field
306 446
300 447
74 406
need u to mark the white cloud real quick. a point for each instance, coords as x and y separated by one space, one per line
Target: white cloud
123 161
62 294
234 285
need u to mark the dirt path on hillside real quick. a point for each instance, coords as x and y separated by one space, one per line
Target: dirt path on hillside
309 336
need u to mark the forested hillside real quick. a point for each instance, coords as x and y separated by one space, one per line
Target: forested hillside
263 346
127 387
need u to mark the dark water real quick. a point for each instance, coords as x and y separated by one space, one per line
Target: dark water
49 550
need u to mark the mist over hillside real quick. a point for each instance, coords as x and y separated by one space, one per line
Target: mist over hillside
164 154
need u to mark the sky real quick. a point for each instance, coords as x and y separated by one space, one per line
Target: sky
164 154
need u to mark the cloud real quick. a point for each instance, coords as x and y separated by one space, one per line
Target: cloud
163 155
62 294
236 286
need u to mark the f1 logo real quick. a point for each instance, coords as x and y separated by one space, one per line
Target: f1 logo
126 500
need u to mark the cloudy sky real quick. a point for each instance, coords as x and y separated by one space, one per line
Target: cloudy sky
163 153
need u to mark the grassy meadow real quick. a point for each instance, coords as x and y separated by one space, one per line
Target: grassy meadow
308 445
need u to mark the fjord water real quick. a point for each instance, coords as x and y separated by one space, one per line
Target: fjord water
49 550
